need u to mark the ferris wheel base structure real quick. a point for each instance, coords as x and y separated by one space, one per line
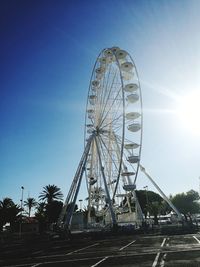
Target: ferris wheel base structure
113 141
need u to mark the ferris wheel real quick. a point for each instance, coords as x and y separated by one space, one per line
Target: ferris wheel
114 116
113 138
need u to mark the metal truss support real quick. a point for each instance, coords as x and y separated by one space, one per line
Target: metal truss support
162 193
106 187
66 215
139 213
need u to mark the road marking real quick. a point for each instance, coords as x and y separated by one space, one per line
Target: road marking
100 257
163 242
82 249
156 260
196 239
100 261
127 245
162 263
158 254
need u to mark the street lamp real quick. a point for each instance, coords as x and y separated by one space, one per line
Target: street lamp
21 200
147 199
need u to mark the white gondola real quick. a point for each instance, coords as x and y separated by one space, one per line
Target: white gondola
129 187
131 146
132 98
132 115
127 66
95 84
100 70
127 173
103 61
108 53
92 99
131 87
115 49
133 159
134 127
121 54
90 113
100 73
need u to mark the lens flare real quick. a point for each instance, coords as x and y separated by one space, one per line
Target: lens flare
188 111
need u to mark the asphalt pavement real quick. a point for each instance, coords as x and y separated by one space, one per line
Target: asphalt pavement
124 251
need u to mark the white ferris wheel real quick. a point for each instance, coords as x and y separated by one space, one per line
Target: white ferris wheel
113 141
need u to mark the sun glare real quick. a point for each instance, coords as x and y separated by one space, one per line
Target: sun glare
188 111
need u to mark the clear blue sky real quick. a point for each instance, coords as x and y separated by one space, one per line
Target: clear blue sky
47 52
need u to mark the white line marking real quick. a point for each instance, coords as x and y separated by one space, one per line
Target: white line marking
162 264
100 261
127 245
156 260
82 249
196 239
158 254
163 242
37 264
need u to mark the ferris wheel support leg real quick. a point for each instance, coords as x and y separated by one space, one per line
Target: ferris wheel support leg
162 193
139 213
106 187
74 189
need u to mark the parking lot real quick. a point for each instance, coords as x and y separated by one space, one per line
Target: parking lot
123 251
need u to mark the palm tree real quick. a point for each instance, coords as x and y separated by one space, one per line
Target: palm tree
6 203
30 203
51 193
8 211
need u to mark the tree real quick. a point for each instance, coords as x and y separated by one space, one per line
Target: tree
53 210
9 212
30 203
152 203
41 216
155 208
187 203
51 193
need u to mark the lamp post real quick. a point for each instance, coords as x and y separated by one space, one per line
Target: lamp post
147 199
21 200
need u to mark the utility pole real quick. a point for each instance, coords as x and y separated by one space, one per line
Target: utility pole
147 200
22 202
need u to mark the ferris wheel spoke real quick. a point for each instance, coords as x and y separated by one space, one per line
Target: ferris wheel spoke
107 151
115 120
107 95
104 92
110 107
116 171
